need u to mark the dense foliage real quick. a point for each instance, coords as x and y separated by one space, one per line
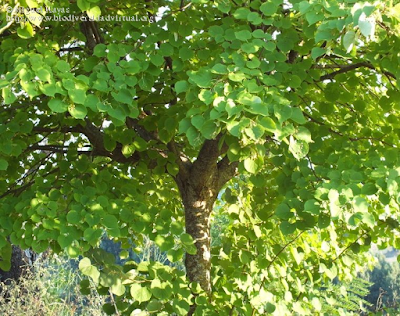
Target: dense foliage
284 113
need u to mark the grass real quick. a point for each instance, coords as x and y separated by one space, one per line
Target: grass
50 289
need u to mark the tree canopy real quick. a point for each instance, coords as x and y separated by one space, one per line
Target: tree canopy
150 119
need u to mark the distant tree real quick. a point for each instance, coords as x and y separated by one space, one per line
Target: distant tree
385 288
138 122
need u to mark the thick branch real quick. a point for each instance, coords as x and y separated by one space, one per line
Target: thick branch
205 166
183 162
92 34
347 68
140 130
226 171
95 137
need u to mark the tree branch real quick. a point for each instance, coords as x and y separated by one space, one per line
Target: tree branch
205 166
346 68
226 171
22 188
91 32
57 149
140 130
95 137
183 162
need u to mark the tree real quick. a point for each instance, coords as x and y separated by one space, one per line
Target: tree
137 121
385 279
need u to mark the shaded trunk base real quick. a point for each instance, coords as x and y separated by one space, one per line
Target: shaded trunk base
20 264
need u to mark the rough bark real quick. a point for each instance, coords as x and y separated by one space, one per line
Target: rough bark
199 183
198 208
20 264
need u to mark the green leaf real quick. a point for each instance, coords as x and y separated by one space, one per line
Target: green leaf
219 69
361 204
366 25
201 78
250 165
298 148
324 221
92 235
287 228
283 212
73 217
303 134
241 13
270 308
77 95
268 124
146 82
154 306
157 59
47 89
3 164
93 12
223 6
123 96
89 270
181 86
194 137
161 290
63 66
198 121
128 150
77 111
216 30
8 95
3 83
185 53
349 40
283 112
297 116
166 49
57 106
180 307
254 18
140 293
369 189
236 76
243 35
43 74
92 102
317 52
100 49
209 130
110 221
313 17
83 5
206 96
269 8
25 31
312 206
140 144
186 239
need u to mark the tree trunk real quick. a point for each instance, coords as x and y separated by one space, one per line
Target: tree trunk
199 183
198 208
20 264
